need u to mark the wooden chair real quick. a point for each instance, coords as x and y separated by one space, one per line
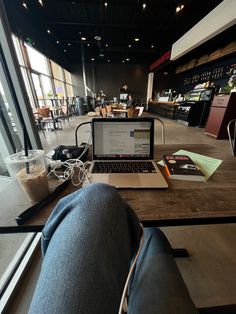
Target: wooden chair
48 120
109 113
133 113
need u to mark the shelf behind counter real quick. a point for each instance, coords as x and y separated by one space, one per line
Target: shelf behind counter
165 109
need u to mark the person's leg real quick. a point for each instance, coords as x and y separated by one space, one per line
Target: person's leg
88 243
157 285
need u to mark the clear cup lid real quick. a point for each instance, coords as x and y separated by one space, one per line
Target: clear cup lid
20 157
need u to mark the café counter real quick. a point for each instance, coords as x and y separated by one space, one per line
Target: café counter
165 108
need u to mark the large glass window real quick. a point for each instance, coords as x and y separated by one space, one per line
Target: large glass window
69 89
38 89
68 77
60 89
37 61
56 71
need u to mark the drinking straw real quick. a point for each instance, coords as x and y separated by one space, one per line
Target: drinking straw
26 149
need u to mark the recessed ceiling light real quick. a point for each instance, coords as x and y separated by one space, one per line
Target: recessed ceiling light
179 8
130 46
165 73
98 37
80 33
68 44
24 5
108 60
152 46
123 61
144 6
106 45
127 59
83 38
58 42
105 3
88 45
40 2
136 39
48 31
101 55
92 59
65 50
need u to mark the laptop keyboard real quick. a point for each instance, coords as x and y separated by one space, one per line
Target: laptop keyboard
123 167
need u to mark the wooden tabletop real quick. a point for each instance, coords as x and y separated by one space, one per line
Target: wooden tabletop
183 203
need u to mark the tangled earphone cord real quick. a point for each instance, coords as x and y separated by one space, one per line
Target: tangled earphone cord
72 168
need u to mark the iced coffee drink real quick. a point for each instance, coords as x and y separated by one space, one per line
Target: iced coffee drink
30 172
34 183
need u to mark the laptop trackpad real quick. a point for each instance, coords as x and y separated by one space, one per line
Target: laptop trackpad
126 180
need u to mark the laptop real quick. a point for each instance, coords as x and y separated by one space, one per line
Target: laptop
123 153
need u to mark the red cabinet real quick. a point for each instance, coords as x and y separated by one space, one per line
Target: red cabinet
223 109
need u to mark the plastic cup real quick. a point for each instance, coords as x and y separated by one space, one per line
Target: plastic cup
30 172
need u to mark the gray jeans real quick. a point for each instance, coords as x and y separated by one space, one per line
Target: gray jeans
88 244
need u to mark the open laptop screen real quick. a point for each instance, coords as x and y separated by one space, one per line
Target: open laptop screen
122 138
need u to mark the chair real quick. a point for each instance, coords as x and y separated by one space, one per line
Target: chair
133 112
64 114
231 129
140 110
162 129
48 120
109 113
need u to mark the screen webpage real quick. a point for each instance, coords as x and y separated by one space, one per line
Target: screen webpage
122 140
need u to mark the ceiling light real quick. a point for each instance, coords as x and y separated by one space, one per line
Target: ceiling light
127 59
58 42
165 73
105 3
106 45
136 39
101 55
130 46
49 32
92 59
144 6
98 38
123 61
152 46
179 8
24 5
68 44
88 45
83 38
108 60
40 2
65 50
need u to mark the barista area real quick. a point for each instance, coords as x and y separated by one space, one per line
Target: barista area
200 93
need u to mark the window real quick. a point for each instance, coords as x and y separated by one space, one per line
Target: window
68 77
56 71
37 61
60 89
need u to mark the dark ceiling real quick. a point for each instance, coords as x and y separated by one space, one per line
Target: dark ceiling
59 25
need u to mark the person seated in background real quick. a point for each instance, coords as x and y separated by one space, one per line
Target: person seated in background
130 102
93 246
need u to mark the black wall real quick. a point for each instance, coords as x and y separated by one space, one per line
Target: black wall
110 77
178 81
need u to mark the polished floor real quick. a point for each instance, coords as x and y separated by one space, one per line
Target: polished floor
210 271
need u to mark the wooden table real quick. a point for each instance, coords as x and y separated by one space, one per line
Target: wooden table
120 111
183 203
